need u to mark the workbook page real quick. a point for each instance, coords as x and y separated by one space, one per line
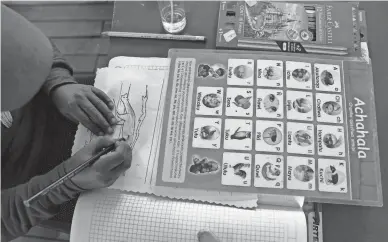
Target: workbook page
108 216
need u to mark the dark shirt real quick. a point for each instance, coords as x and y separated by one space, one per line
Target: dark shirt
21 151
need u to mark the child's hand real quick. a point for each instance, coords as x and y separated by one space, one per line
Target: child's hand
86 104
105 171
207 236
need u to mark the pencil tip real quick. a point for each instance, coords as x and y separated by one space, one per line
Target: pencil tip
26 203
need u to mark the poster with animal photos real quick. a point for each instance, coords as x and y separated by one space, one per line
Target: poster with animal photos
255 123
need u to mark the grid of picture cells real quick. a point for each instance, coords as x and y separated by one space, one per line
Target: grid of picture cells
120 218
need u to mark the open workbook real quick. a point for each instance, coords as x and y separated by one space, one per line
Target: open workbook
129 209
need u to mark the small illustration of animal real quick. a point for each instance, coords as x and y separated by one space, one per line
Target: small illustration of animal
209 132
237 170
126 115
242 102
240 135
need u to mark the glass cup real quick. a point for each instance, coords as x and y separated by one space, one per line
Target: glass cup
173 16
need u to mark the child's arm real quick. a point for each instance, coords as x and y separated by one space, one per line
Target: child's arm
17 219
61 72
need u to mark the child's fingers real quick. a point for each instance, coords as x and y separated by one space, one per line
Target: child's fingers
206 236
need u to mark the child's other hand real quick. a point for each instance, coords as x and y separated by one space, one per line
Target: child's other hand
106 170
86 104
207 236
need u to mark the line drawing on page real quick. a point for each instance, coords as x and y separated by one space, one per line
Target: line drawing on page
143 115
127 126
125 115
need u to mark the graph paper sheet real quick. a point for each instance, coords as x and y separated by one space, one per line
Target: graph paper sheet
117 217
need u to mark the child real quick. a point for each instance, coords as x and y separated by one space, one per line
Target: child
31 67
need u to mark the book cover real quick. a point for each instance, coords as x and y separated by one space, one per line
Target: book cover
289 27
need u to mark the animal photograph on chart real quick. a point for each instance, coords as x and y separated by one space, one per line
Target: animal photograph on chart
300 105
236 169
203 166
298 75
269 136
329 108
269 73
207 133
209 101
239 102
268 171
238 134
300 173
215 71
327 77
332 176
331 140
269 103
300 138
240 72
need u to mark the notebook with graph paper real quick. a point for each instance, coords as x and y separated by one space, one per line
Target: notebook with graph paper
111 216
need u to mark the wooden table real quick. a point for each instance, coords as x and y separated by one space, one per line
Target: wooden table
340 223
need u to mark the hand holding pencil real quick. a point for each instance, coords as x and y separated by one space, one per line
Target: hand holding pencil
99 164
105 171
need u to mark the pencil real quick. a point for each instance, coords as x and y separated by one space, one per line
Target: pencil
310 46
308 50
153 36
71 174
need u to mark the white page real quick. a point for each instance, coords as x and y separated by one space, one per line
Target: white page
280 200
109 216
145 77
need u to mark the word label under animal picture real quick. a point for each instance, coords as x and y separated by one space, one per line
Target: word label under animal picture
268 123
